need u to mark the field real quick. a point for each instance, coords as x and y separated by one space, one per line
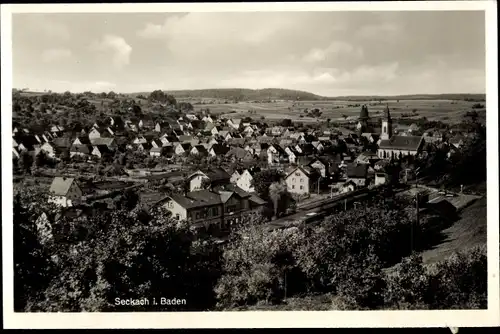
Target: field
442 110
468 231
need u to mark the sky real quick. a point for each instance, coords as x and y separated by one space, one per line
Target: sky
326 53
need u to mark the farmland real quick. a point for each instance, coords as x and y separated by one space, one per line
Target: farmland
448 111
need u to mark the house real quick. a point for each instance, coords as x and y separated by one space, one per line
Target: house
301 180
62 143
306 149
116 122
218 150
207 119
217 176
236 175
199 150
276 131
358 174
182 148
348 187
245 181
169 140
239 154
100 151
109 142
276 155
162 126
160 151
318 146
368 158
82 140
212 211
139 140
56 129
234 123
95 133
381 177
321 166
156 143
50 149
80 150
144 147
224 134
292 154
64 191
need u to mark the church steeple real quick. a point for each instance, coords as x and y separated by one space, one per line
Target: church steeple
386 124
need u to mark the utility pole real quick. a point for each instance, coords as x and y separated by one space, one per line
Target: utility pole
416 223
345 204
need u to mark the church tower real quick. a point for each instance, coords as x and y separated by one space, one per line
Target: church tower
386 125
363 119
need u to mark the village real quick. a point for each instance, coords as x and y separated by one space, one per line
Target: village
212 170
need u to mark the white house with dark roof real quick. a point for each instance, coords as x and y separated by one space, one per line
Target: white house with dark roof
302 180
64 191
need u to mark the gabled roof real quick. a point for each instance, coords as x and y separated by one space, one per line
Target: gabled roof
220 149
200 148
61 185
84 140
102 148
62 142
85 149
102 141
411 143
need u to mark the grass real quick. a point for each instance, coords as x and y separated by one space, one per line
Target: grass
467 232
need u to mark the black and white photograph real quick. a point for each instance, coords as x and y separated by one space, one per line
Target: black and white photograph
203 158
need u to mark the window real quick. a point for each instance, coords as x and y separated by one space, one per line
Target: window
385 129
293 186
293 179
301 187
197 215
177 216
301 180
215 211
298 174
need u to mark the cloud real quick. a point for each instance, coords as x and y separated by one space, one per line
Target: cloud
331 51
119 48
55 55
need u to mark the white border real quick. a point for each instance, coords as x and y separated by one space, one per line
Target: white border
461 318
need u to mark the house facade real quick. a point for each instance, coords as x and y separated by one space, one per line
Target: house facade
300 181
64 192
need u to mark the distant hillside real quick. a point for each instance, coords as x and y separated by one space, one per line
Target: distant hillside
240 94
466 97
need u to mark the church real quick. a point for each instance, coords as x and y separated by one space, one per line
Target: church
394 146
365 124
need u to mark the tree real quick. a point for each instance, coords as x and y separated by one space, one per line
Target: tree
25 162
129 253
263 180
127 200
259 266
33 268
206 183
286 122
277 192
